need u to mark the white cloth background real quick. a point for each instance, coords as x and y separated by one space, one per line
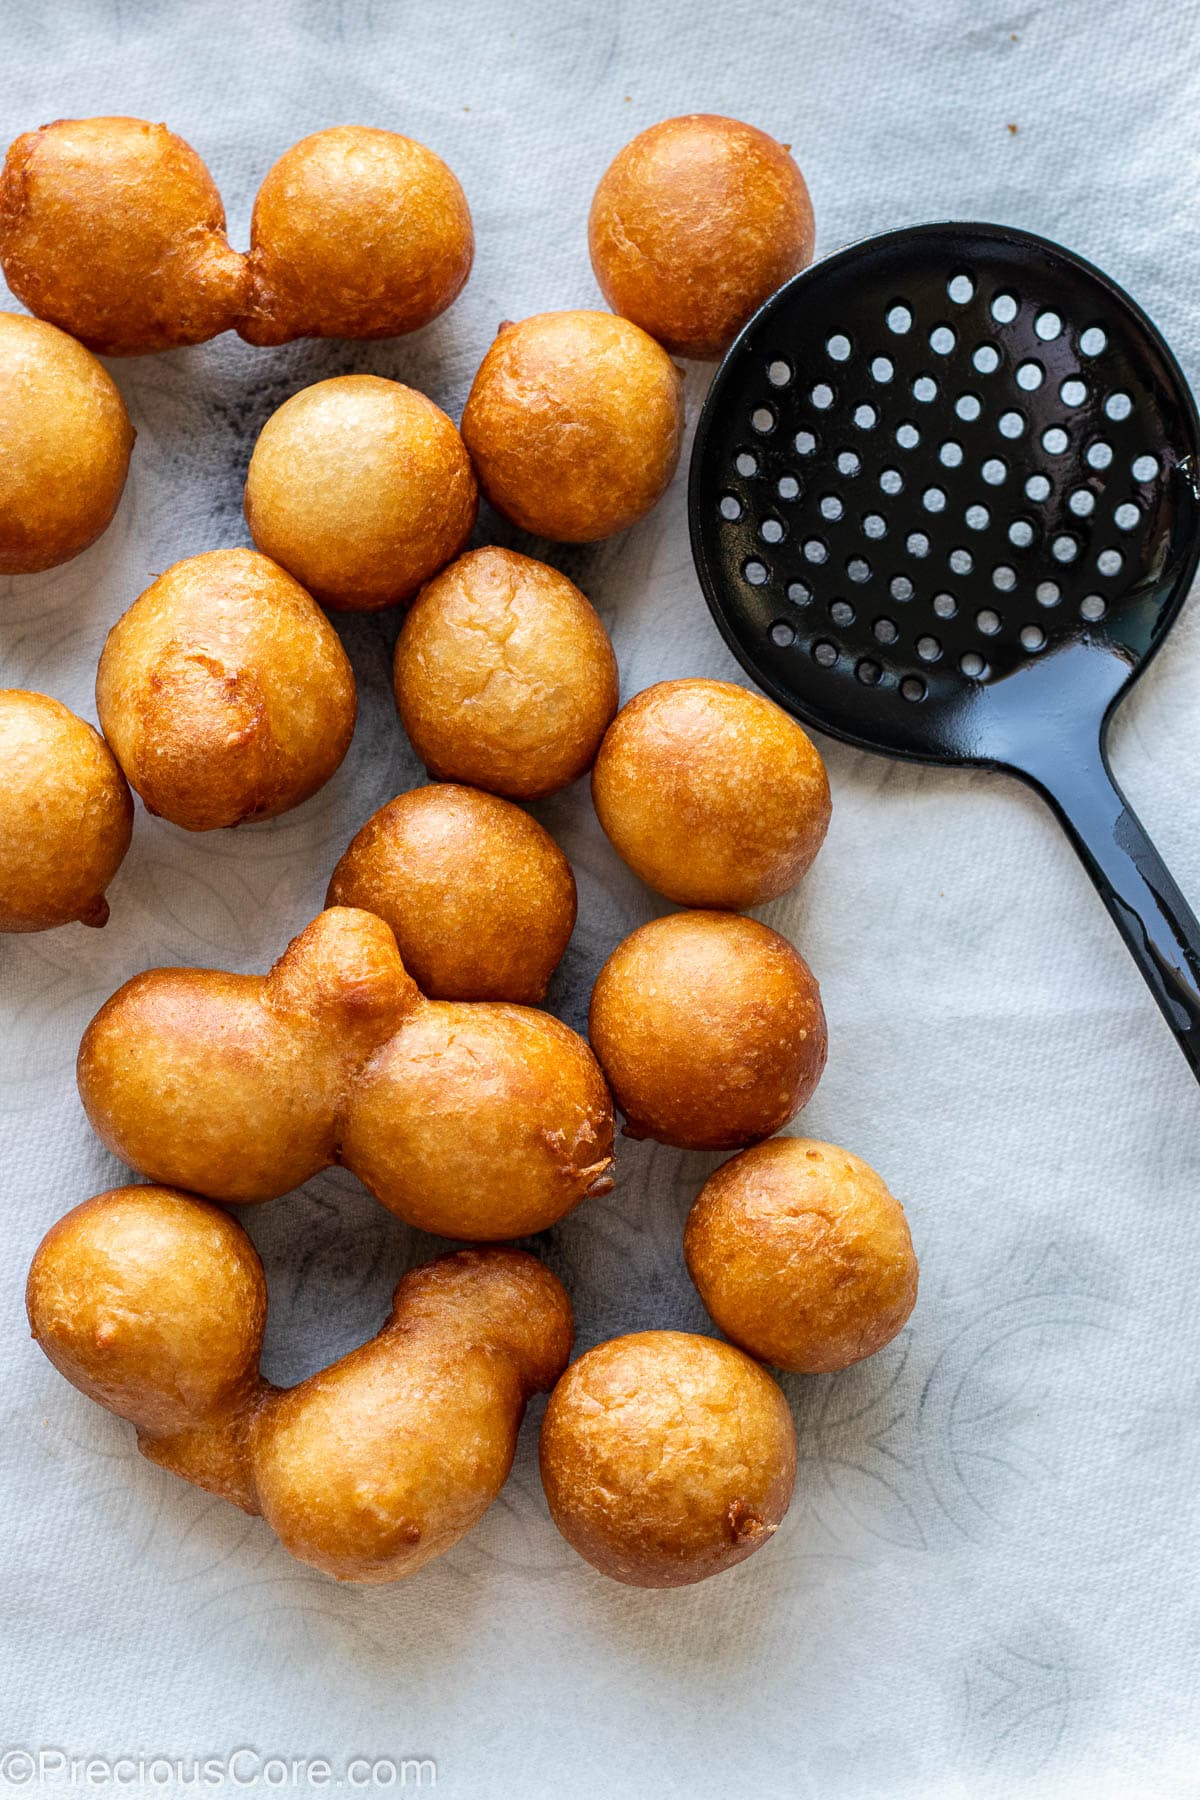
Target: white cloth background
987 1582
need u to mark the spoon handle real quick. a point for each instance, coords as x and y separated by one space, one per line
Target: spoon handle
1134 883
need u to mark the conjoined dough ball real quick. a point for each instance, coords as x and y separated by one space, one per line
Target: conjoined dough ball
709 1029
66 816
356 233
65 440
469 1119
151 1302
667 1457
711 794
505 677
362 489
480 898
694 224
113 228
225 692
574 424
801 1255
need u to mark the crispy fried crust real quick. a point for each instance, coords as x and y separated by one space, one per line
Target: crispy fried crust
225 692
801 1255
710 1030
694 224
65 442
667 1457
356 233
480 897
66 816
362 488
574 424
504 676
711 794
113 228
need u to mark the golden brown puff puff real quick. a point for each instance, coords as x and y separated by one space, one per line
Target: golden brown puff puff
225 692
473 1120
153 1303
711 794
375 1466
362 489
481 899
505 676
801 1255
356 233
667 1457
65 442
113 229
66 816
709 1029
694 224
574 424
231 1085
480 1121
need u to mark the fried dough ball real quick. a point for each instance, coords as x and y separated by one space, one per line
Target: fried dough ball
667 1457
482 1121
480 898
113 228
382 1462
66 816
505 676
225 692
801 1255
362 488
65 440
711 794
709 1029
694 224
153 1303
356 233
574 424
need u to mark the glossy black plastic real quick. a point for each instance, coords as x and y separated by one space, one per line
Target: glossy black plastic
945 504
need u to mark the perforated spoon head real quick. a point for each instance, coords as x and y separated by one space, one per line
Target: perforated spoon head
945 494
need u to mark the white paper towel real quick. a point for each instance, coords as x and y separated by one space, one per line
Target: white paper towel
987 1582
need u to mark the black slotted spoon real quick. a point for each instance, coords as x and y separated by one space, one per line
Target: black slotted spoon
945 505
